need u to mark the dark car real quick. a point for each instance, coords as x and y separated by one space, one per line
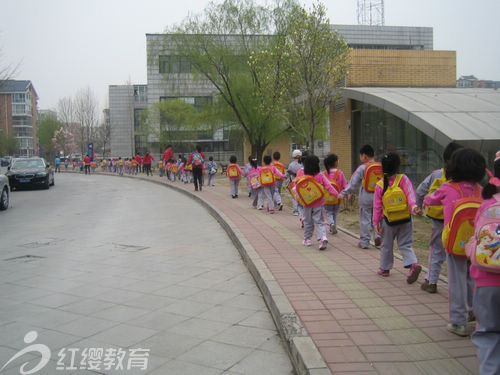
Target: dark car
4 192
30 172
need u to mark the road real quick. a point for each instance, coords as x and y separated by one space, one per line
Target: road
117 265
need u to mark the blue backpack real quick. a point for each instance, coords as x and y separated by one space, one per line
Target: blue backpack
197 160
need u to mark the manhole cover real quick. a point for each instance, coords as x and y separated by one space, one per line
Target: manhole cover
24 258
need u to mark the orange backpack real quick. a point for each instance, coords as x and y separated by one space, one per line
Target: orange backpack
460 229
330 199
373 173
280 167
174 169
232 171
266 176
308 191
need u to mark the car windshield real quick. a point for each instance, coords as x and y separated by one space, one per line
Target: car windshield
26 164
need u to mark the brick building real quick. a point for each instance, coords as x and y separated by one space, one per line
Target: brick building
19 115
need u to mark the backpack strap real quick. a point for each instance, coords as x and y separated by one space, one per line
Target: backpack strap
398 179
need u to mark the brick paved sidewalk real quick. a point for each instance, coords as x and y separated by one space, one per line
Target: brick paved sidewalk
360 322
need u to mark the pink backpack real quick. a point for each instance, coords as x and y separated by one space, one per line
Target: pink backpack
484 248
254 178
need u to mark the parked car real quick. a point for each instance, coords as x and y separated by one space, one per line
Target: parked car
5 161
4 195
30 172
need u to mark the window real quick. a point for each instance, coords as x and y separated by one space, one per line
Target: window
140 94
174 64
21 121
18 109
24 131
197 101
18 98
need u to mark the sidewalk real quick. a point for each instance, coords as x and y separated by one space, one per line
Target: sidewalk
333 301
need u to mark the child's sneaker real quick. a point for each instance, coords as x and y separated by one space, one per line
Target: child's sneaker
378 242
271 211
249 194
361 246
333 229
384 273
322 243
456 329
295 213
428 287
260 207
471 317
281 207
307 243
414 272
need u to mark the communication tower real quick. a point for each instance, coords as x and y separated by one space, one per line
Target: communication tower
371 12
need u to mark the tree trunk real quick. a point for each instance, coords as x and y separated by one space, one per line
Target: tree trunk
258 151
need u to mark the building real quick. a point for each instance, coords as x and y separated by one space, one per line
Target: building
473 82
19 115
125 104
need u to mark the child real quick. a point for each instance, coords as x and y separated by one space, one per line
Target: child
253 181
174 170
279 181
393 205
160 167
486 338
337 179
465 169
268 175
212 171
248 167
234 173
291 173
182 171
437 255
365 178
313 210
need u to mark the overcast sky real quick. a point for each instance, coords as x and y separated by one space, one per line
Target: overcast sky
65 45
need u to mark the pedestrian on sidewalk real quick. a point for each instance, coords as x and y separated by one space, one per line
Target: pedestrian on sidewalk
309 190
279 180
268 175
437 254
234 173
196 160
146 163
212 171
246 169
291 173
486 338
364 179
86 164
393 205
465 170
337 179
253 181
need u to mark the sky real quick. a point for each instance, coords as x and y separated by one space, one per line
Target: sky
64 46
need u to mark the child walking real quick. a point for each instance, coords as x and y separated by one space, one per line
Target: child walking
365 178
486 303
437 255
253 181
246 169
313 181
279 180
393 205
268 175
465 169
291 173
337 180
212 171
234 173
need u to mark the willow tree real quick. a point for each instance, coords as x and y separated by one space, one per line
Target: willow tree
311 73
218 44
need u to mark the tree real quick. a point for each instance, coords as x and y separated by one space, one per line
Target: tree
46 130
86 114
8 144
178 121
218 45
6 71
66 110
64 141
311 74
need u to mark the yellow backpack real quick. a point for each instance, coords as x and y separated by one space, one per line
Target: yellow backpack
330 199
394 202
232 170
436 212
308 191
266 176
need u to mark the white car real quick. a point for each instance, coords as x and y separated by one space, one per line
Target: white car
5 191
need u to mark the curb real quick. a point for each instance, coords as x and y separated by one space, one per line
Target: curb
303 353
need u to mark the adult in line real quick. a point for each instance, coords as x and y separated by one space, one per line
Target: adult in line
146 162
86 162
197 160
139 161
168 154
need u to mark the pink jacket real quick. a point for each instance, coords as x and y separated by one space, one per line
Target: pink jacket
181 168
340 178
321 178
407 188
483 278
446 195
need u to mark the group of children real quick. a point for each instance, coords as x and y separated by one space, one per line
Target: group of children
451 197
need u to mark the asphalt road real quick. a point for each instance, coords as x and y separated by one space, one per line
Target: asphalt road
120 264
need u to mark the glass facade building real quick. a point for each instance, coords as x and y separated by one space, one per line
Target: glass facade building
385 132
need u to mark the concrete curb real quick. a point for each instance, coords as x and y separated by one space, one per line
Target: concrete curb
305 356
